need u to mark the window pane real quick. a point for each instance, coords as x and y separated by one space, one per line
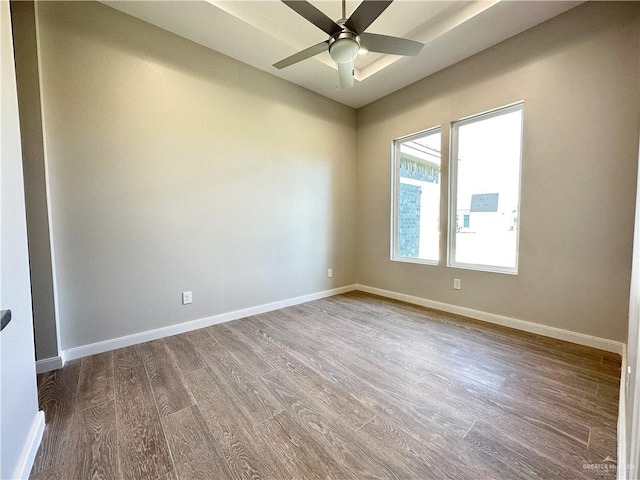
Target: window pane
417 202
486 170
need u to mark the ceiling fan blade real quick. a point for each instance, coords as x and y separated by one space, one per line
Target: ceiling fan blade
314 15
393 45
302 55
365 14
345 75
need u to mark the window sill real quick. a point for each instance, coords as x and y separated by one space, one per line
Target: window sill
484 268
414 260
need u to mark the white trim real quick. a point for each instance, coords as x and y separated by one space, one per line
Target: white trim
25 463
452 212
395 194
484 268
545 330
136 338
622 417
49 364
633 461
417 261
107 345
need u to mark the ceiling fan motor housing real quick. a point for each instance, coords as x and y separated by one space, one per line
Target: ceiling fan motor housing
344 47
345 36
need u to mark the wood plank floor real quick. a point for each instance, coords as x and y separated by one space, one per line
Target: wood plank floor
349 387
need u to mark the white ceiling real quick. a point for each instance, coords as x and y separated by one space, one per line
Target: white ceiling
260 33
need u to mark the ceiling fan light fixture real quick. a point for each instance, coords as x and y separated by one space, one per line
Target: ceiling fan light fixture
345 36
345 48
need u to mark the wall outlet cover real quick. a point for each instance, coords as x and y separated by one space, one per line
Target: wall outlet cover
186 298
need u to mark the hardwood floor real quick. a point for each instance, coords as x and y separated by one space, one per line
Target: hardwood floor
348 387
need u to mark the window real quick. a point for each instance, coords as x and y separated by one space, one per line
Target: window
416 197
485 191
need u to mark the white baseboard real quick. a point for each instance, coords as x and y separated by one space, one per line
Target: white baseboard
545 330
49 364
136 338
23 469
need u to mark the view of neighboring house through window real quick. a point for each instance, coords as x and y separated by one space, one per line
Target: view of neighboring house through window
416 200
485 190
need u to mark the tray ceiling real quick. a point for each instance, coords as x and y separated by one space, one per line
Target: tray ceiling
260 33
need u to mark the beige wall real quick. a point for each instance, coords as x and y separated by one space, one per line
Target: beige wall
578 77
175 168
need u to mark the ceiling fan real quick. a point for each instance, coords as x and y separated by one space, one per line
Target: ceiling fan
347 37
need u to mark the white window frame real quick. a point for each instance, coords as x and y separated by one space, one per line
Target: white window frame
453 193
395 192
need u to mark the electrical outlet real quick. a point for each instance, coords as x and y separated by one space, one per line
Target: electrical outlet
330 273
457 284
186 298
